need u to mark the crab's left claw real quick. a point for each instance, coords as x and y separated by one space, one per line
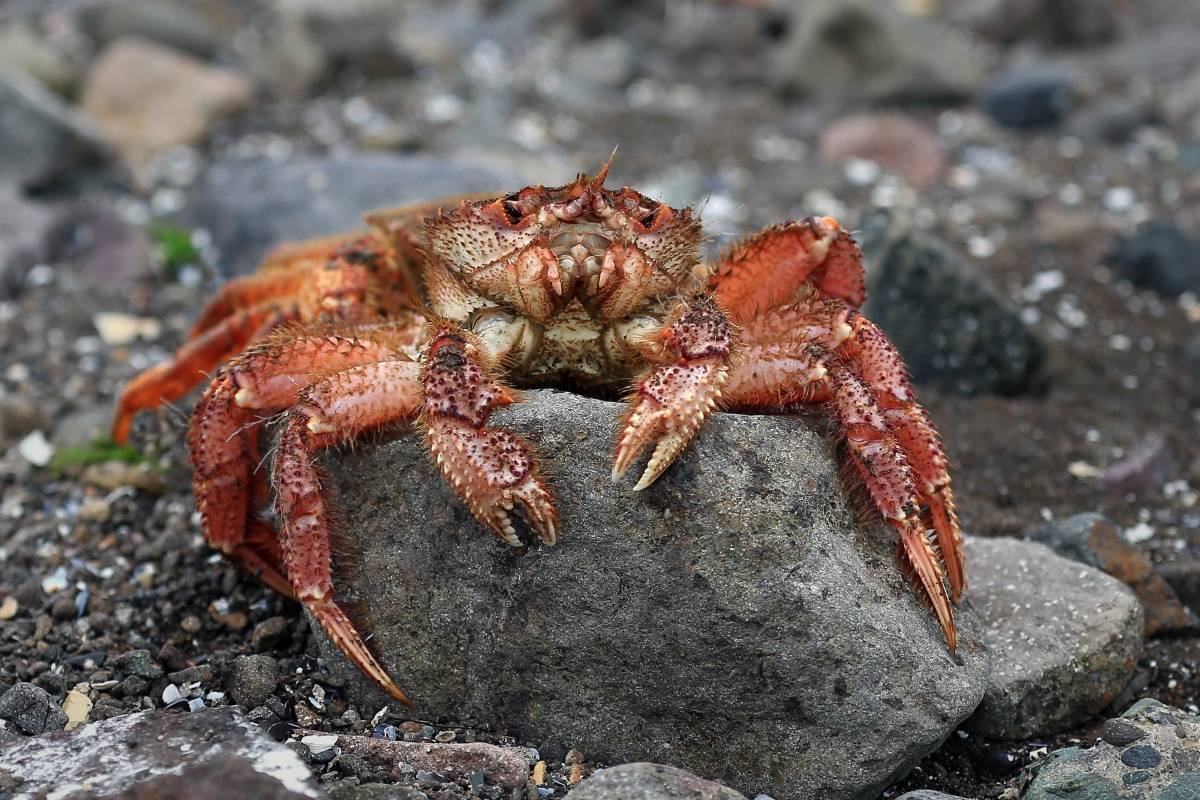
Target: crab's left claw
673 400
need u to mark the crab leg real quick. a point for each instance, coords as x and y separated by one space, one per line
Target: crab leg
240 294
223 436
335 409
674 399
175 378
491 470
850 378
767 269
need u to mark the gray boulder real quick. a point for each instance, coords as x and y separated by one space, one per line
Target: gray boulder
867 50
954 329
1151 752
1065 638
250 205
45 144
928 794
26 228
732 620
644 781
211 753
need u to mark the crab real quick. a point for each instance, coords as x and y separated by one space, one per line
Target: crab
432 318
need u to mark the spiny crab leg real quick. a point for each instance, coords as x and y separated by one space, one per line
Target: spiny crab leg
175 378
673 400
335 409
491 470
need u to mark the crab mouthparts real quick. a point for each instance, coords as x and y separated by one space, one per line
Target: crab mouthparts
580 253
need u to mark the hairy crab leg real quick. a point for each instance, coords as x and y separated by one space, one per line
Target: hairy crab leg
240 294
802 373
491 470
768 268
175 378
674 399
223 436
336 409
832 325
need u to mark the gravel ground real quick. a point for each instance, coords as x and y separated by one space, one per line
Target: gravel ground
93 569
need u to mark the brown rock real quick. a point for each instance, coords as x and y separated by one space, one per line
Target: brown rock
147 98
894 142
1093 540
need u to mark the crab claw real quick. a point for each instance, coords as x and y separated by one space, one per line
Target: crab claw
671 405
494 472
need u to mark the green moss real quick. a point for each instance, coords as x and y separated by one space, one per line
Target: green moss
175 246
97 451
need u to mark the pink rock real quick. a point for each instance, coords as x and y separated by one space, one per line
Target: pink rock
894 142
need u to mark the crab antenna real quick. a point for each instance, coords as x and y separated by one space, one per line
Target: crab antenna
598 182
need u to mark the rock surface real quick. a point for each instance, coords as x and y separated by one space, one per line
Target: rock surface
642 781
45 142
868 50
31 710
251 205
1064 637
1151 752
733 603
158 754
1093 540
1028 98
455 761
928 794
147 98
954 330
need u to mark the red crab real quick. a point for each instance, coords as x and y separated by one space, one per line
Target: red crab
430 316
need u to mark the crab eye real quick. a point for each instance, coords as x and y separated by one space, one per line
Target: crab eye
512 211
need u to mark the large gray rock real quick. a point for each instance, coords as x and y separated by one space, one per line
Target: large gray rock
732 620
44 143
642 781
1151 752
157 754
249 205
867 50
1065 638
952 327
31 710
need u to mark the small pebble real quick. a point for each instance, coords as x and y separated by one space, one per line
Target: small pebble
1141 756
445 737
1131 778
35 449
76 706
171 695
1119 733
9 608
190 624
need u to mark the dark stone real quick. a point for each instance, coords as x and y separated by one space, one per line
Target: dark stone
270 633
650 782
997 762
46 144
253 679
1160 256
1120 733
1093 540
1028 97
1191 368
1141 756
674 595
197 756
31 710
252 205
26 228
137 662
953 329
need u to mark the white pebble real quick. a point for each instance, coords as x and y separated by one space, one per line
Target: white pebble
35 449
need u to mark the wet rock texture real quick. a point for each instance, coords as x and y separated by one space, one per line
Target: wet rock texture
734 603
157 754
650 782
1065 638
1150 751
